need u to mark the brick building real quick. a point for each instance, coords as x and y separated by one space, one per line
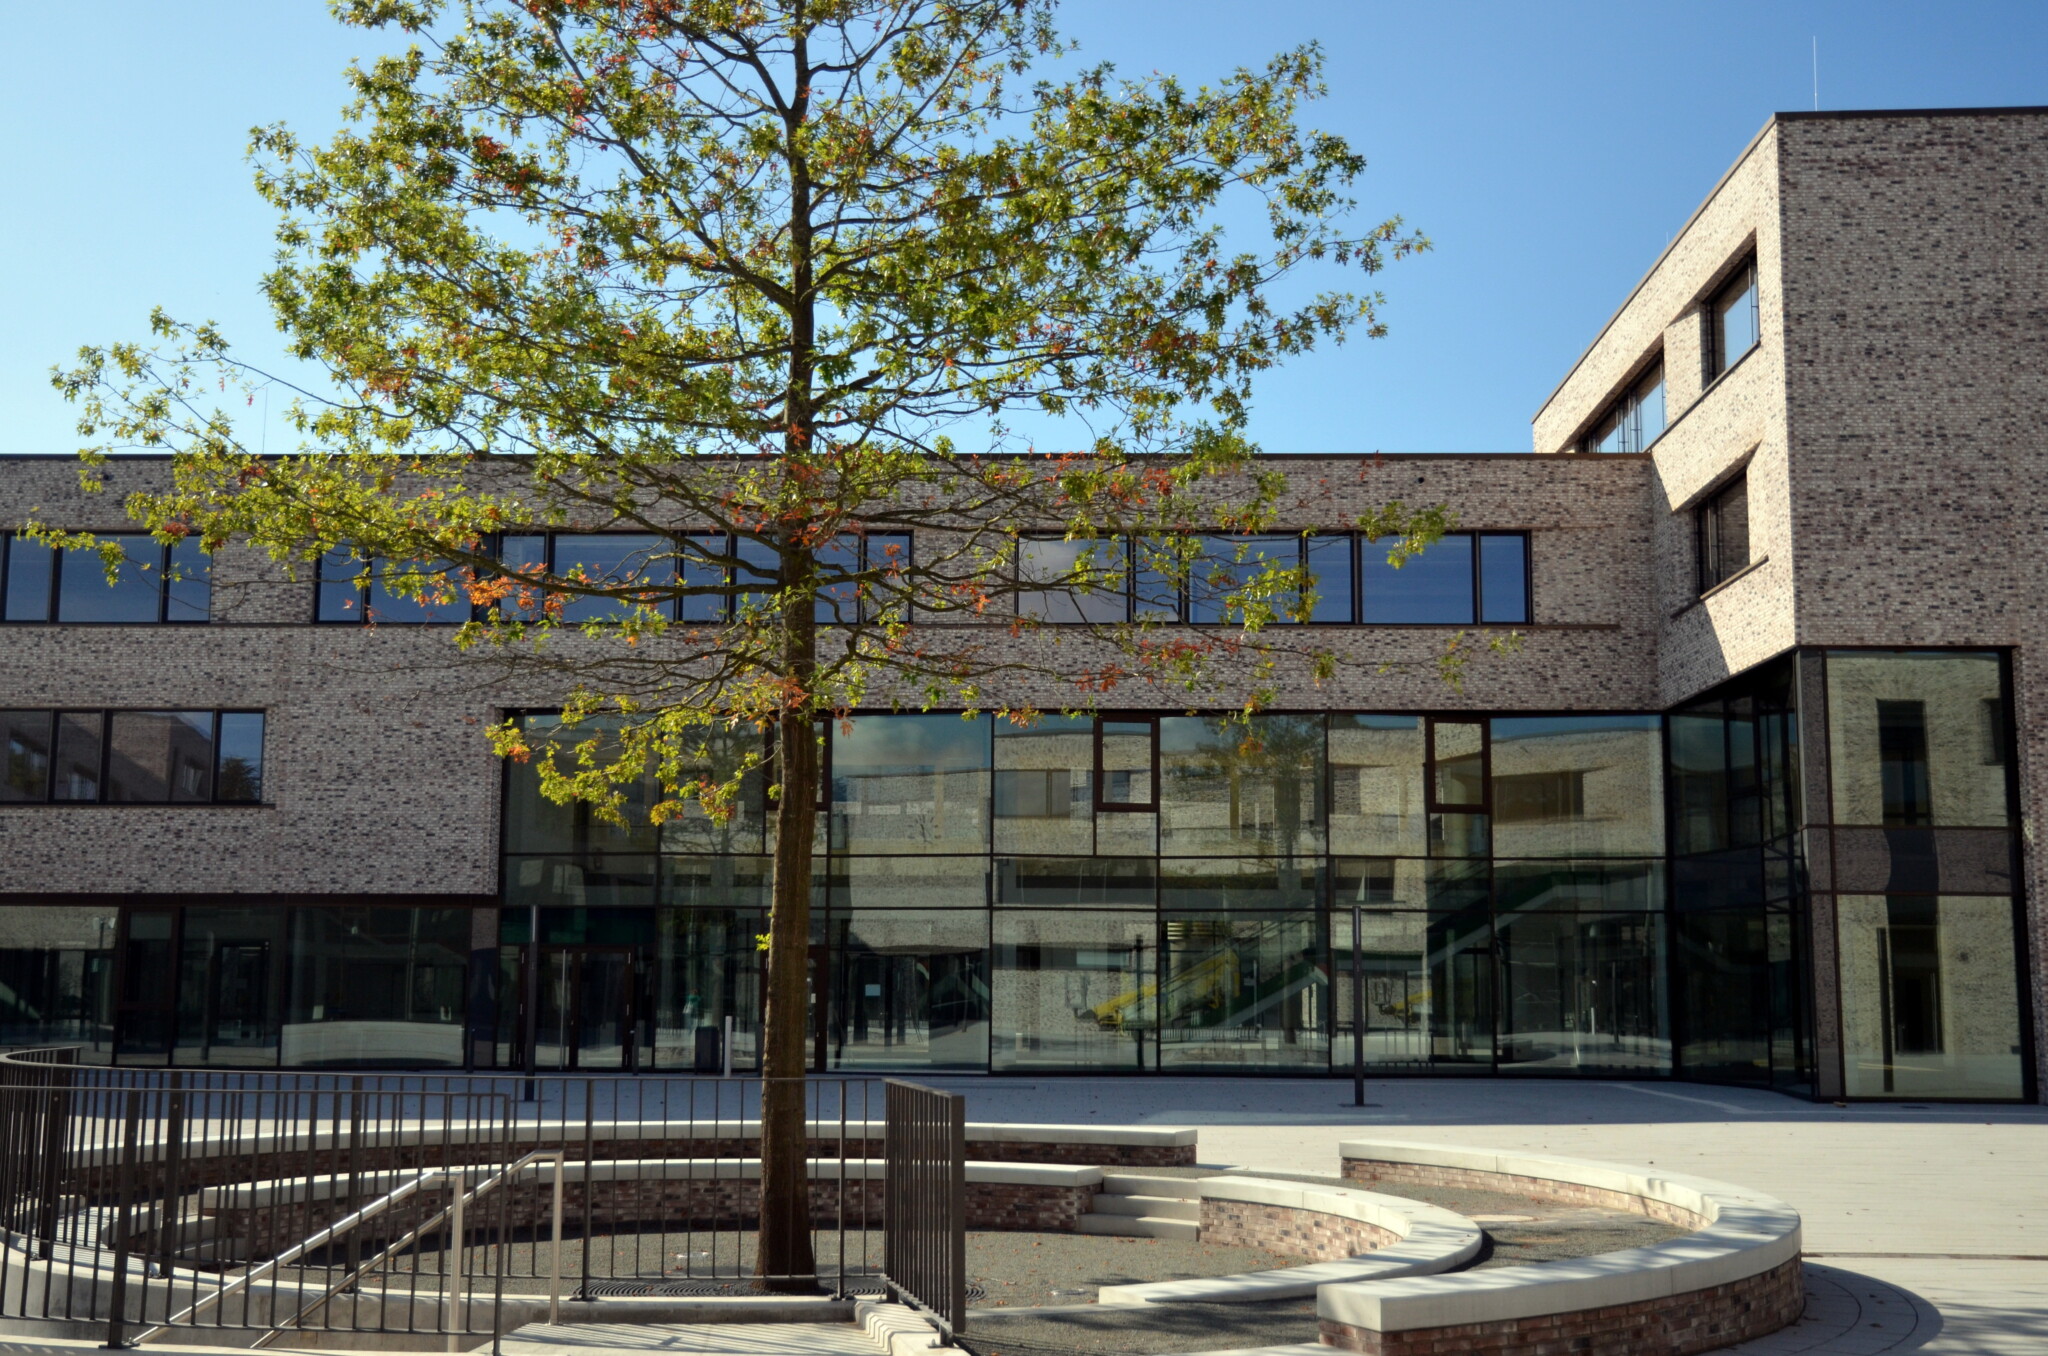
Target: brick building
1746 807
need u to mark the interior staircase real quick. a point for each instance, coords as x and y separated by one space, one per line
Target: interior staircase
1140 1205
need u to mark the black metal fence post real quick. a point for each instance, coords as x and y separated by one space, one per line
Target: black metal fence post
124 1220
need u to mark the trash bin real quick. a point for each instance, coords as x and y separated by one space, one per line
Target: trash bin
710 1051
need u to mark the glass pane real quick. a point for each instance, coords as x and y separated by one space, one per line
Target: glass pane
533 823
1385 883
340 591
1428 980
1930 996
1090 576
698 572
707 970
1230 565
838 595
1724 981
377 987
30 565
610 560
1735 319
25 743
1434 587
1917 738
909 990
1584 994
1578 786
189 590
1243 993
1504 577
230 986
84 595
1230 787
443 592
77 774
1079 882
710 882
1217 883
1044 786
921 883
1157 572
1128 754
717 755
910 784
1460 758
527 553
1376 785
56 971
240 774
156 757
612 881
148 982
1649 401
1073 991
759 569
1548 887
1330 562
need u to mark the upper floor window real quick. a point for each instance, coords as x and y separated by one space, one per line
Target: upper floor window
1724 533
736 574
356 590
131 757
155 583
1733 327
1465 577
1633 421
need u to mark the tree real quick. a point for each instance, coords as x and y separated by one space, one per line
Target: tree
771 283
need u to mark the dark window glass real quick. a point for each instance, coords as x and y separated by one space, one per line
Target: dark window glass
1632 422
136 595
1724 533
1458 758
1034 793
1902 762
239 775
79 738
1733 316
30 566
1330 562
610 560
444 594
188 588
1155 595
1083 581
340 587
1433 587
154 757
377 987
1227 565
881 553
760 568
1126 755
700 571
1503 577
528 554
25 745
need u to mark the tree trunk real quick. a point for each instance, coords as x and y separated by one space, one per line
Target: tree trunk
785 1238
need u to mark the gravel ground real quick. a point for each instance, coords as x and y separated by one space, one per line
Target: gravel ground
1154 1328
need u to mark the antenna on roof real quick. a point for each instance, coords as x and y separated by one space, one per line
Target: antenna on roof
1816 72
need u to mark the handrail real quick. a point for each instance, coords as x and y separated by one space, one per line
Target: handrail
403 1191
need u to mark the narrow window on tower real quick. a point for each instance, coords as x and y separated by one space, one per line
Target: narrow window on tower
1723 533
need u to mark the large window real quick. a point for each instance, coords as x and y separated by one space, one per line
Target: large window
1910 736
1930 996
132 757
1633 421
153 583
361 591
1733 323
1464 578
1723 533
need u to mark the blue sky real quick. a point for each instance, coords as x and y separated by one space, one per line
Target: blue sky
1549 149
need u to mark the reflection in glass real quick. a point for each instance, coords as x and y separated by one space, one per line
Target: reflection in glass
1376 787
1584 993
79 748
910 784
156 757
1073 991
230 987
1459 754
1230 787
909 990
188 589
1433 587
1503 577
1044 786
1930 996
25 748
31 569
1331 569
706 969
1243 992
376 987
1553 886
613 880
1917 738
1578 786
56 973
1079 882
1221 883
1725 982
239 773
1078 581
1428 979
135 595
1227 566
1129 750
916 883
610 560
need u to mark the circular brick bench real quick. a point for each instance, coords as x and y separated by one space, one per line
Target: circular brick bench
1735 1277
1359 1235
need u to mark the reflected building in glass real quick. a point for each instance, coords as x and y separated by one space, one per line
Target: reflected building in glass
1745 806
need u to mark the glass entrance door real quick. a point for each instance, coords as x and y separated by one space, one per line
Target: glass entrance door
586 1009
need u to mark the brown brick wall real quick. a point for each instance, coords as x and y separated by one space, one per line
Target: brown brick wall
1289 1231
1676 1325
1377 1172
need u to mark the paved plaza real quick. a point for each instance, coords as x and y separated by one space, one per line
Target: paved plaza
1927 1229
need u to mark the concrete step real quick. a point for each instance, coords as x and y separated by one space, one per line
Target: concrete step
1138 1226
697 1339
1154 1207
1145 1184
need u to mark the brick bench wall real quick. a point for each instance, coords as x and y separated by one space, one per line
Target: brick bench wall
1290 1231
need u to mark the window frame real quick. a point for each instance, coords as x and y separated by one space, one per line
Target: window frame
1709 545
106 714
1099 781
362 615
52 603
1626 409
1743 277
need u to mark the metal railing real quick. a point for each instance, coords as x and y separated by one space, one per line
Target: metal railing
924 1227
146 1201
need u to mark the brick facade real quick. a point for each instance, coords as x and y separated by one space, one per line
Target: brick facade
1290 1232
1677 1325
1375 1174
